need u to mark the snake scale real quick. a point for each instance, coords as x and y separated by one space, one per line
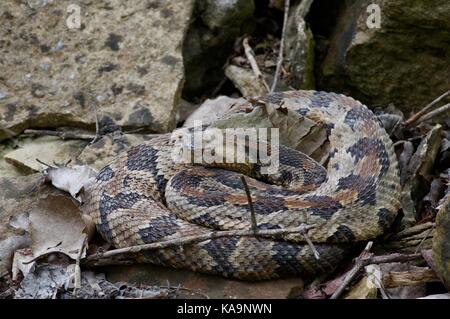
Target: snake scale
143 196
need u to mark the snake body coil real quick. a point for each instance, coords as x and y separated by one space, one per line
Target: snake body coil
143 196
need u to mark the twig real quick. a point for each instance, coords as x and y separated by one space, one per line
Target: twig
392 258
423 239
251 59
97 126
434 113
304 7
366 259
320 289
255 225
77 274
250 204
414 230
45 164
280 53
195 239
8 133
311 245
355 270
61 134
419 114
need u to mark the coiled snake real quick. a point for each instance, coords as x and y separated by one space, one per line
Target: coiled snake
143 196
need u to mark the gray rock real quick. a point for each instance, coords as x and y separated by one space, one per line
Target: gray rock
130 55
48 149
219 14
405 61
7 169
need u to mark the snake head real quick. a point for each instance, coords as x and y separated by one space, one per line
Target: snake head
201 145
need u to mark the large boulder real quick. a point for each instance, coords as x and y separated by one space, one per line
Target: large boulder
123 58
405 61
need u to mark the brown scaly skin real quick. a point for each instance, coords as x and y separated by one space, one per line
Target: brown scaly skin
143 196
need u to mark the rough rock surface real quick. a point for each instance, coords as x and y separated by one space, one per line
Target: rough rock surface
210 40
48 149
7 169
125 59
404 62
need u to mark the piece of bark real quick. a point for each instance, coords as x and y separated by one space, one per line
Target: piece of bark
408 278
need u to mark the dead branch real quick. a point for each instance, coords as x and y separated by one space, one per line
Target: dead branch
77 274
255 226
419 114
365 259
8 133
93 259
414 230
61 134
392 258
250 204
97 126
303 8
407 278
354 271
434 113
251 59
282 40
425 237
311 245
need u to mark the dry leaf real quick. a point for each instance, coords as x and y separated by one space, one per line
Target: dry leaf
405 292
71 179
390 121
7 248
18 266
363 289
43 283
56 225
423 159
